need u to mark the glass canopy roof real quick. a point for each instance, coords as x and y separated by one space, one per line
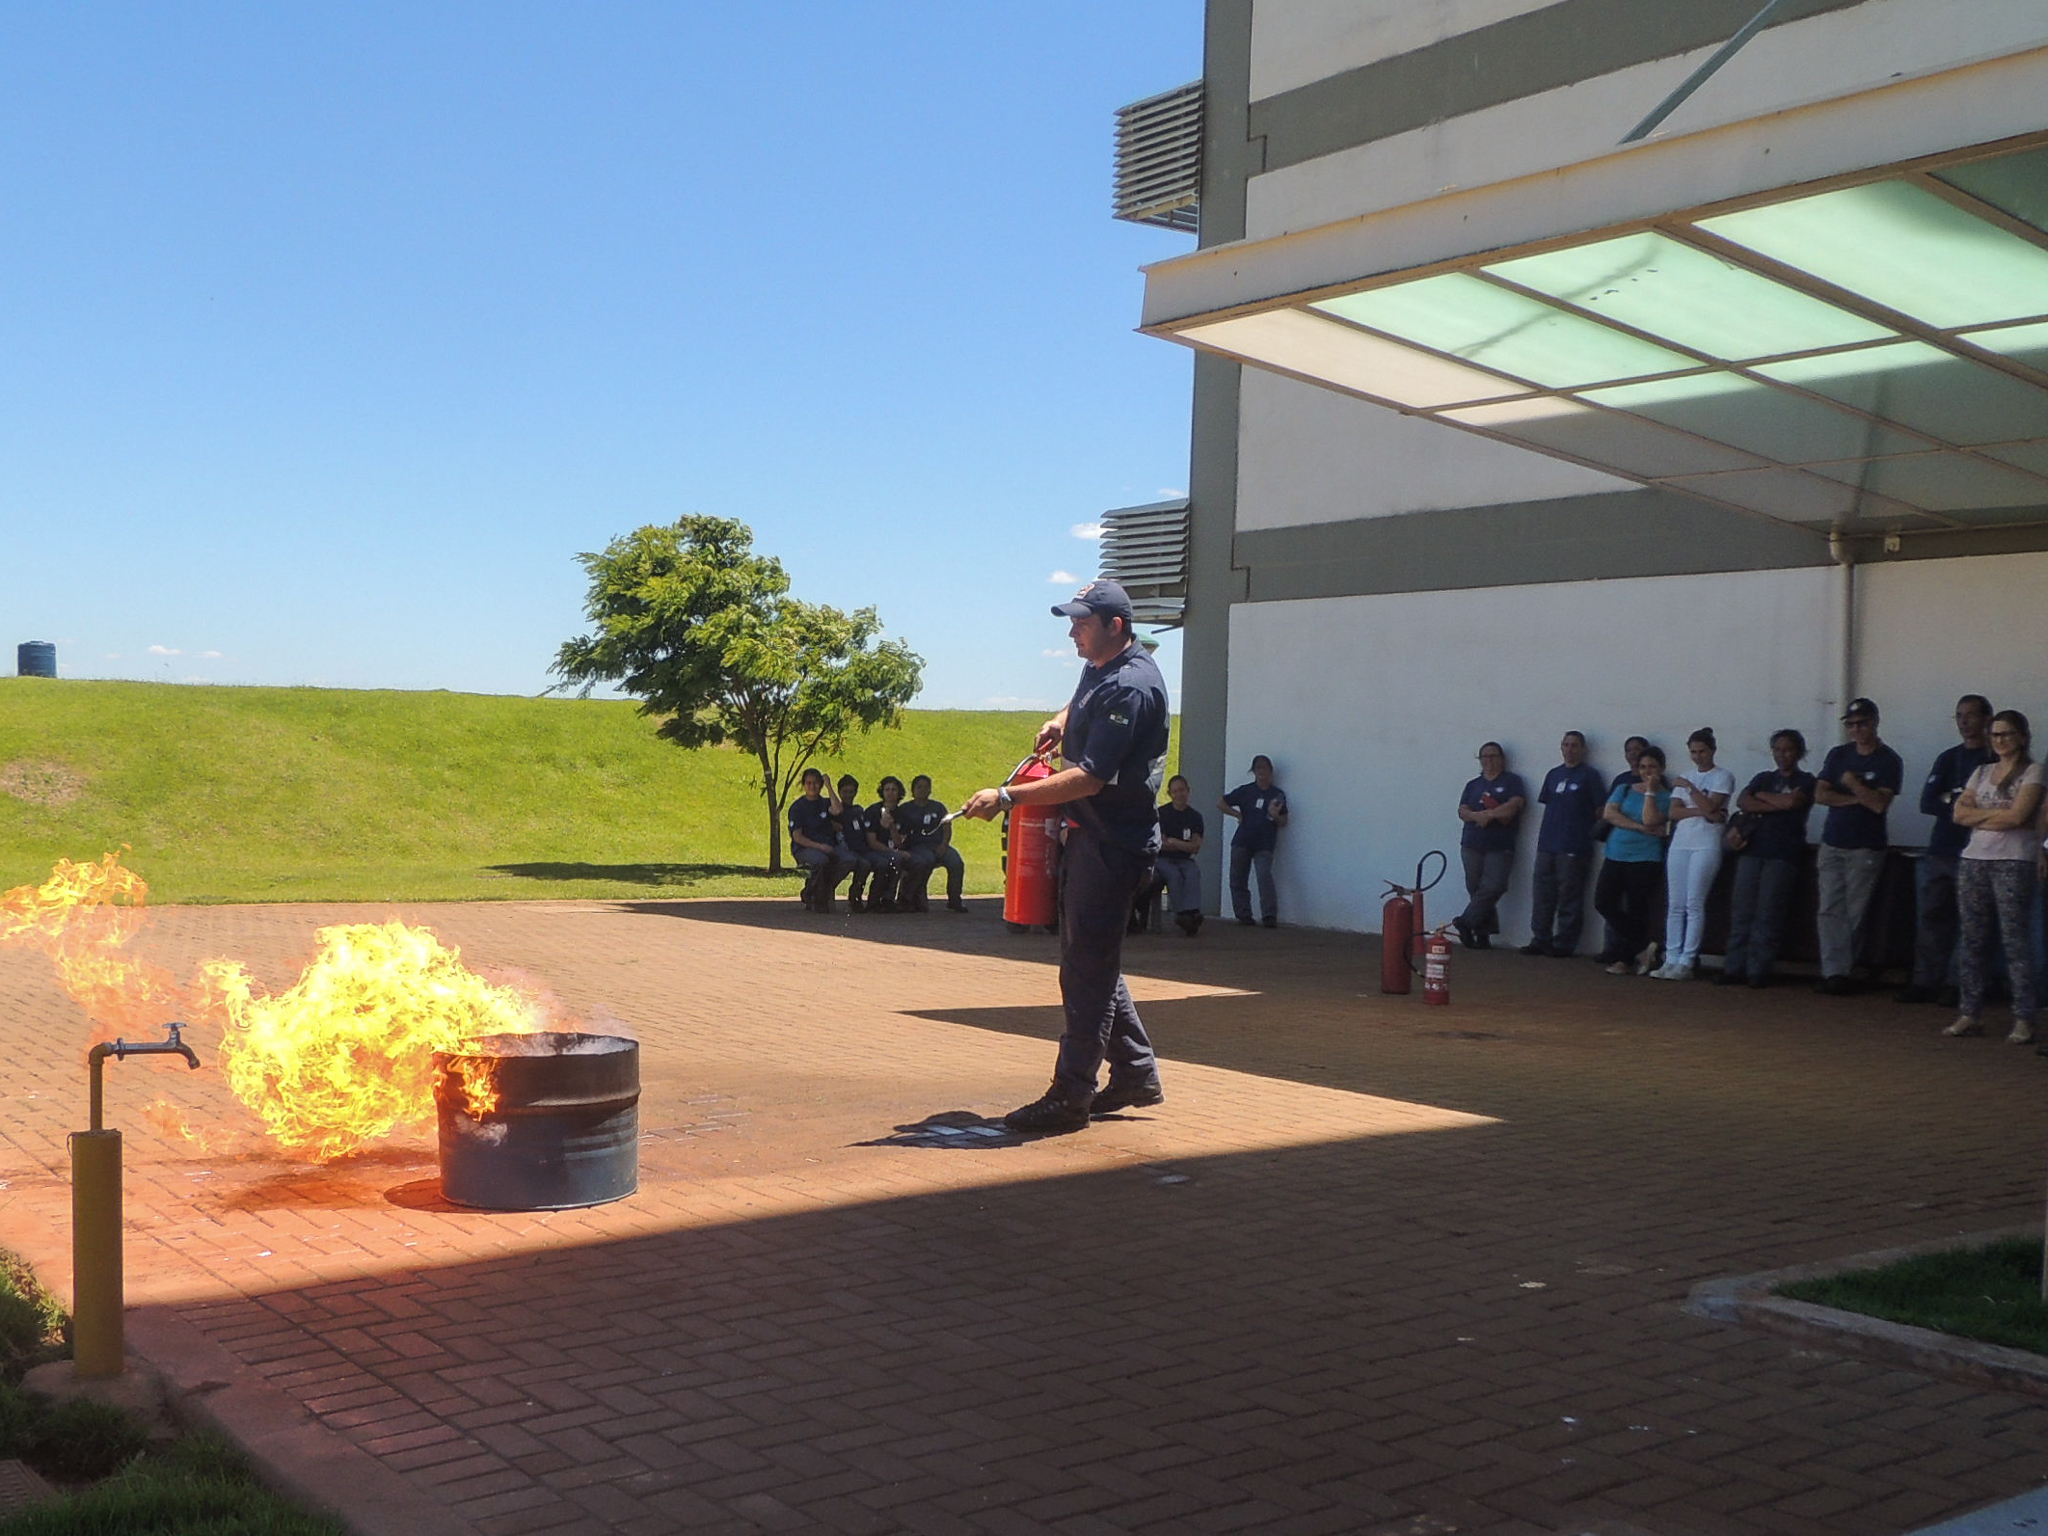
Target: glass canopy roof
1871 357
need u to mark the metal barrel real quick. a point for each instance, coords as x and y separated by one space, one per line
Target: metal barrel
35 658
565 1131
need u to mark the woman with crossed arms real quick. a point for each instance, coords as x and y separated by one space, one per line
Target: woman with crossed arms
1639 813
1999 874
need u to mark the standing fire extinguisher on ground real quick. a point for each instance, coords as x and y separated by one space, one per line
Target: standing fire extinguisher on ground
1402 925
1436 970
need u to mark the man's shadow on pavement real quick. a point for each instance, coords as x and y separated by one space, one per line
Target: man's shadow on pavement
956 1130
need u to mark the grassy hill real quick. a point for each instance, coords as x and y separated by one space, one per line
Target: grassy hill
305 794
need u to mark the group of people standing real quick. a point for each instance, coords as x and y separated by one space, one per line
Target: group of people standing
1666 835
888 849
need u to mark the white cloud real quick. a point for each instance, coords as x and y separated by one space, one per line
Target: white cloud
1062 578
210 655
1061 655
165 650
112 656
1086 530
1014 701
1173 490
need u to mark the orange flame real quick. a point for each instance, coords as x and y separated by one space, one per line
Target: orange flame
341 1058
81 917
345 1056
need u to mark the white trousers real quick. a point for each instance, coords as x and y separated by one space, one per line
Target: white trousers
1688 876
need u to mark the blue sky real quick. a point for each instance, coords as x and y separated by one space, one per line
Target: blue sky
332 332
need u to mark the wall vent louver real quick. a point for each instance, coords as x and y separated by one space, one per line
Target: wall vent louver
1159 159
1145 549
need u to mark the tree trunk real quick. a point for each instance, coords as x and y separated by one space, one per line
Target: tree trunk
774 819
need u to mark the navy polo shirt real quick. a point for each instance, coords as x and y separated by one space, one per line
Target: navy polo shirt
874 820
1483 794
1117 728
1256 808
1780 834
813 818
1950 775
919 824
1572 799
1857 826
1179 825
853 828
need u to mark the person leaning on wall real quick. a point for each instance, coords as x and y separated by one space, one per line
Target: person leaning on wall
1260 811
1638 814
2001 806
1571 798
1939 868
1857 783
1767 835
1489 806
1699 810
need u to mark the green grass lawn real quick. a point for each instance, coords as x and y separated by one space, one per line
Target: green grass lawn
1992 1293
314 794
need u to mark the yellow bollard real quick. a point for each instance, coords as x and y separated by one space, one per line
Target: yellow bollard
96 1280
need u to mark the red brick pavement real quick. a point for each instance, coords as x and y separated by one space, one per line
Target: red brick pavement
1373 1268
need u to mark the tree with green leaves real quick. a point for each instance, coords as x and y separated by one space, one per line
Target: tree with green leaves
703 631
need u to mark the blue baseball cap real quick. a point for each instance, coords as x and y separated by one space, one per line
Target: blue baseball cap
1102 597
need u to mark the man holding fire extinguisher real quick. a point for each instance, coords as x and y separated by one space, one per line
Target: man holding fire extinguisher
1112 736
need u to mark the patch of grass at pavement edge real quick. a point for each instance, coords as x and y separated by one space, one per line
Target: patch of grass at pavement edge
195 1487
1991 1293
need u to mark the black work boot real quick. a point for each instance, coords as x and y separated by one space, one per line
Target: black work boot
1138 1094
1056 1111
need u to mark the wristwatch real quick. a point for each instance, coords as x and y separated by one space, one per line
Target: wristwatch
1003 797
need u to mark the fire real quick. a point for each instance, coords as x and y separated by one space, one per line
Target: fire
345 1055
341 1058
82 917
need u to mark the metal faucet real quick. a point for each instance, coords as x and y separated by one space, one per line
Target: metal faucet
120 1050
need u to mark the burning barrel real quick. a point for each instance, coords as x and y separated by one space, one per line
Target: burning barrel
540 1122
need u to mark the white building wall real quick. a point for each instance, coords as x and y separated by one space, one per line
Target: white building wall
1799 64
1931 630
1373 707
1312 455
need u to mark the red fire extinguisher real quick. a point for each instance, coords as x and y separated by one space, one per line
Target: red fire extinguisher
1031 858
1402 925
1436 970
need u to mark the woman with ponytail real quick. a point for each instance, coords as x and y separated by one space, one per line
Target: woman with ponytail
1699 807
1999 876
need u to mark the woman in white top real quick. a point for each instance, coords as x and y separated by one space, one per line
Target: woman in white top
1699 808
1999 875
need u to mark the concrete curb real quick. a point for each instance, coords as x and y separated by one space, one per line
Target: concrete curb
1749 1301
286 1447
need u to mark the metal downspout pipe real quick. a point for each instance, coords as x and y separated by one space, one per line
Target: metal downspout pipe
1845 660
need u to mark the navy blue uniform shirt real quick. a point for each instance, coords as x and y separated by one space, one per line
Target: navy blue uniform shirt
853 828
813 818
1572 799
1951 773
1483 794
1117 726
919 824
1179 825
1857 826
1255 807
874 820
1780 834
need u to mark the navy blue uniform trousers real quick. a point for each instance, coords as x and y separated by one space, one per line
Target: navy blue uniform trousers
1098 882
